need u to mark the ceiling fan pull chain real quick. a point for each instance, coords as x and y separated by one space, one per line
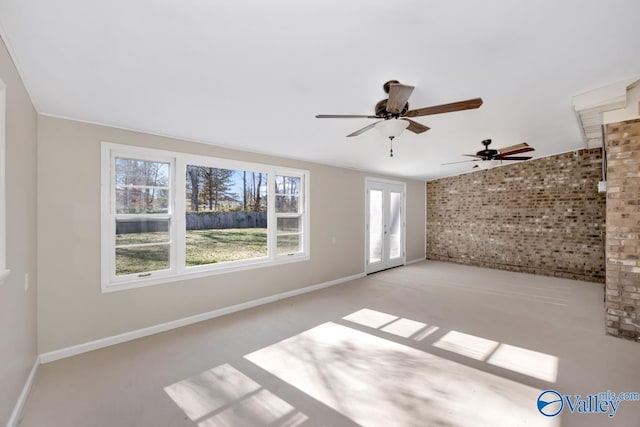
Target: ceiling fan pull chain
391 151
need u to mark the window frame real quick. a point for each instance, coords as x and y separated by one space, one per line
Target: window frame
214 162
4 271
110 217
177 208
302 197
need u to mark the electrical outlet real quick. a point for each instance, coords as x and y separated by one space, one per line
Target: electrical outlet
26 282
602 187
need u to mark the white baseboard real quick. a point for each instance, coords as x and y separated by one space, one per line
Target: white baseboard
22 399
151 330
413 261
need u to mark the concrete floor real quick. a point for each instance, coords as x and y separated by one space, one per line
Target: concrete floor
430 344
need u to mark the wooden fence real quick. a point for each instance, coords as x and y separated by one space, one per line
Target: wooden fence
198 221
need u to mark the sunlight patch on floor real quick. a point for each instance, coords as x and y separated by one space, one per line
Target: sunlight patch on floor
371 318
405 328
224 396
466 345
378 382
528 362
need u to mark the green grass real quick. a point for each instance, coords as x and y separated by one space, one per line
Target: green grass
141 259
231 244
288 244
139 238
202 247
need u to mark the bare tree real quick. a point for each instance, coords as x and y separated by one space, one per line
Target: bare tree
244 190
257 199
194 175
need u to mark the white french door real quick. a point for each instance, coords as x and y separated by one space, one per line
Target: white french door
385 233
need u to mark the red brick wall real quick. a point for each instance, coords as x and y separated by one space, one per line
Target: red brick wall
623 229
543 216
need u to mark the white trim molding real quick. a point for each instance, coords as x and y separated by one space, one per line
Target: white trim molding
4 272
139 333
616 102
413 261
22 399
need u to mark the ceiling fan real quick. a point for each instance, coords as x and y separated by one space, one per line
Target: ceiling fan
496 155
394 112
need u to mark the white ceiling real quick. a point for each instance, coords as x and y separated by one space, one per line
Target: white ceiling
252 74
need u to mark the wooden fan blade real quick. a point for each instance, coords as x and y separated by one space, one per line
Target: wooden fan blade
515 149
512 147
521 150
364 129
445 108
464 161
416 127
398 96
502 157
344 116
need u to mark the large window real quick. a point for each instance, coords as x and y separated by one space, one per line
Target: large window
226 215
169 215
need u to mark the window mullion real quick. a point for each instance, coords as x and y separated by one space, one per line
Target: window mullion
271 215
179 224
111 227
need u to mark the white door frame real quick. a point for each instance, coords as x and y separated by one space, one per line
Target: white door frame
386 185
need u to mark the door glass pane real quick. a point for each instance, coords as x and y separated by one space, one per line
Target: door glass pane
375 226
395 218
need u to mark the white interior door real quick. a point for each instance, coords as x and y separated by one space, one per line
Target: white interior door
385 232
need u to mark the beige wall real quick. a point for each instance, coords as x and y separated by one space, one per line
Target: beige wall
17 307
72 310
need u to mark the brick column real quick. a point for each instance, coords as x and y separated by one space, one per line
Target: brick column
623 230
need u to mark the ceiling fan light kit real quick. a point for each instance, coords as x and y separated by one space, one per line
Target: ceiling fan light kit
391 129
488 164
394 111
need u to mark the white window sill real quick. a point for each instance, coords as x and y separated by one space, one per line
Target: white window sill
3 275
196 273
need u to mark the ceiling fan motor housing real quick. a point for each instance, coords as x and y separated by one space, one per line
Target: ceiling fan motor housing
381 110
388 84
487 154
